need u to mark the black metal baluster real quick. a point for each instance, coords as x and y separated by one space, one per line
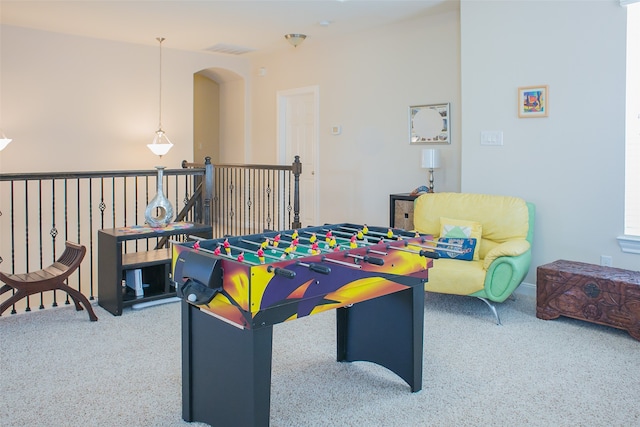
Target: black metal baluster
26 232
40 235
91 270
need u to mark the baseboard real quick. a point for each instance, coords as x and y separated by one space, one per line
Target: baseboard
526 289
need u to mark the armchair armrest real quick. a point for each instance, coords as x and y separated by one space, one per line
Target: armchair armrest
510 248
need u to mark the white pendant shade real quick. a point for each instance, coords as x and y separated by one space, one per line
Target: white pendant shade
161 144
4 141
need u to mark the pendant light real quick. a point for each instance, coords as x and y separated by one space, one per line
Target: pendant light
4 141
161 144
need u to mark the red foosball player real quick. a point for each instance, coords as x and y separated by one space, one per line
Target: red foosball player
260 253
216 251
314 248
196 245
241 257
227 247
276 240
352 242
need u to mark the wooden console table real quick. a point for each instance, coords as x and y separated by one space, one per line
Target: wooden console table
155 264
604 295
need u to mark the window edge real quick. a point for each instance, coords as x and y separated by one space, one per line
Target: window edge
629 244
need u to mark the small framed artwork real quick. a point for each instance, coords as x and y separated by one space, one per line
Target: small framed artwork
429 124
533 101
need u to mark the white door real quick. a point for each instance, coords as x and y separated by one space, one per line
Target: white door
298 135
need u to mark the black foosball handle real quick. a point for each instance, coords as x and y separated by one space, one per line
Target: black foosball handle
318 268
430 254
373 260
282 272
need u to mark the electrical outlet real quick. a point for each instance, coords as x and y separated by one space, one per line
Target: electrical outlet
606 260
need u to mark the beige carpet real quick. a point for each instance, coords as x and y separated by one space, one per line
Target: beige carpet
59 369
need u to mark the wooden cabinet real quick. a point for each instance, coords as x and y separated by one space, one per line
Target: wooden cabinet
117 255
401 210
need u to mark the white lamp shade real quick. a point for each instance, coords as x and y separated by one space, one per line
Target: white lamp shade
161 144
431 158
4 142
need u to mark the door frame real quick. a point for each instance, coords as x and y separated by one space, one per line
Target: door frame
282 101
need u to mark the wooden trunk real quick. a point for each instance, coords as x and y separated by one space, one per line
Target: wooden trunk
604 295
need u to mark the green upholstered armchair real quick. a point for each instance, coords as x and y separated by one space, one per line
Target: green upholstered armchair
503 228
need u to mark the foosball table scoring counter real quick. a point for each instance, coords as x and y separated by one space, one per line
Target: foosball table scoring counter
235 289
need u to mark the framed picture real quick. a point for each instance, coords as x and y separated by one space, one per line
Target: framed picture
429 124
533 101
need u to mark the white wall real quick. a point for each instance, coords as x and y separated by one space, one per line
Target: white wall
367 82
570 164
73 103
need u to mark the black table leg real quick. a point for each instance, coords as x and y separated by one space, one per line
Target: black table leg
388 331
226 371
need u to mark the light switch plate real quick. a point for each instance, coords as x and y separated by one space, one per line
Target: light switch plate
491 137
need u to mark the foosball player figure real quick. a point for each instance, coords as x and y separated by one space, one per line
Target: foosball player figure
287 252
260 253
352 242
314 248
241 257
227 247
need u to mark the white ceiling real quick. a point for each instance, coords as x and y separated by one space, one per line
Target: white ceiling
198 25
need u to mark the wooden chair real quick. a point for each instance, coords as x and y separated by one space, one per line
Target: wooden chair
48 279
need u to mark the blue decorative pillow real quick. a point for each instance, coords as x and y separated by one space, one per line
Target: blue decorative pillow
456 248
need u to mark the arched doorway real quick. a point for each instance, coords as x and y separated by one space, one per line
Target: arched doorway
219 116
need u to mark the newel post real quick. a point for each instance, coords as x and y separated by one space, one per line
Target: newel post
296 168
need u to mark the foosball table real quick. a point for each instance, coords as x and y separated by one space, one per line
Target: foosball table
235 289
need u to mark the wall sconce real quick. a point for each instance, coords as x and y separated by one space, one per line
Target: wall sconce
4 141
161 144
295 39
431 161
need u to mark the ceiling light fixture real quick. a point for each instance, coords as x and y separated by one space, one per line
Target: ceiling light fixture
161 144
295 39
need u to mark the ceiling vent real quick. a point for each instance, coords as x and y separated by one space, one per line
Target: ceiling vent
229 49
